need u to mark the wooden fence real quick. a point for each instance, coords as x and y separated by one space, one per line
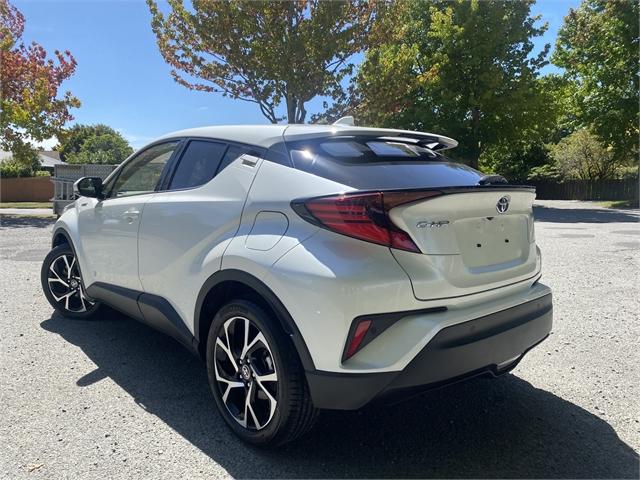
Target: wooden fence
587 189
26 189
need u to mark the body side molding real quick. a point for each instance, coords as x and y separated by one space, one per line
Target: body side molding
149 309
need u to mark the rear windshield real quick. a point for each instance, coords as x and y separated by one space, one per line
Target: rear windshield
379 163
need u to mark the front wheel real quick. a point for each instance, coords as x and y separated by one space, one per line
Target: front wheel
62 284
256 377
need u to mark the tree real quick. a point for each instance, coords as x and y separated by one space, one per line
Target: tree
31 108
462 68
598 48
71 139
265 52
93 144
516 158
581 155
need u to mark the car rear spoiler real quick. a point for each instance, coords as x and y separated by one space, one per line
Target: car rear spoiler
344 127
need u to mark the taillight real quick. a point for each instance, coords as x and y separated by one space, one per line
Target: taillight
363 215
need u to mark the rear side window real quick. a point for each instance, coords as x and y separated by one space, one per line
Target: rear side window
379 163
198 164
236 151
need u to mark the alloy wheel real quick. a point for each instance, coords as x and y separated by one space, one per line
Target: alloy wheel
245 373
65 284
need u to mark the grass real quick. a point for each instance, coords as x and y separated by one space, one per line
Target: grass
620 204
26 205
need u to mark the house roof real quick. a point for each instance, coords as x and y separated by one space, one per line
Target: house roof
48 158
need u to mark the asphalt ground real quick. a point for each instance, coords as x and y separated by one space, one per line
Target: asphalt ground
113 399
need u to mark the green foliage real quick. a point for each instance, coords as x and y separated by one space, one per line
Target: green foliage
72 139
265 52
463 68
515 162
545 172
581 155
101 148
13 169
598 48
42 173
30 104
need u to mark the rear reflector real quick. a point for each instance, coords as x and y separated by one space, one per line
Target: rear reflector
363 215
358 336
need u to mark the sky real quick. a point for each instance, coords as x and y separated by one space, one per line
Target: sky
122 80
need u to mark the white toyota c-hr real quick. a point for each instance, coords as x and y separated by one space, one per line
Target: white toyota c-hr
310 267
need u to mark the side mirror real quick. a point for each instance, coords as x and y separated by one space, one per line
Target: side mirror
88 187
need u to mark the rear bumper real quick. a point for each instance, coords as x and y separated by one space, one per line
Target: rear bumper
492 344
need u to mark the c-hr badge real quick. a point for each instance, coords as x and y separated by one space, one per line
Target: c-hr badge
427 224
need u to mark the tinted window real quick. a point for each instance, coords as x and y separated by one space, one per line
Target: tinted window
198 165
234 152
142 173
372 163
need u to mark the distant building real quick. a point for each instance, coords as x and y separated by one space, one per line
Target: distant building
48 159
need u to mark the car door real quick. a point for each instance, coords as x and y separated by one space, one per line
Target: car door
186 227
109 227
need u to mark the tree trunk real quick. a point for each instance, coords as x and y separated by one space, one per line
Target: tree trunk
296 112
291 109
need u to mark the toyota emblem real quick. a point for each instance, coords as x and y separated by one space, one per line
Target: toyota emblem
503 204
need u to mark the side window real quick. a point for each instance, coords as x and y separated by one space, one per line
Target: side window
198 165
142 173
234 152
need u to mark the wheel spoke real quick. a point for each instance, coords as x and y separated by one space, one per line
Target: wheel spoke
227 350
57 279
250 408
230 384
62 297
245 346
258 338
66 262
272 401
73 262
269 377
84 297
247 406
81 297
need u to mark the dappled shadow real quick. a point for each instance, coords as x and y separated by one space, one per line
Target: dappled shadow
22 221
583 215
482 428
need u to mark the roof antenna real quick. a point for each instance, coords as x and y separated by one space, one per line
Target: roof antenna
348 120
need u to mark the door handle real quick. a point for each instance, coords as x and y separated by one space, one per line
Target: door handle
131 215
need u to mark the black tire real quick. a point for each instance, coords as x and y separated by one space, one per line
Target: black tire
63 286
294 412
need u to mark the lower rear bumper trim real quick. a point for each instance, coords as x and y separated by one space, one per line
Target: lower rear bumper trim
492 344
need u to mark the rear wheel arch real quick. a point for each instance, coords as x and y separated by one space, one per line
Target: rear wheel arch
227 285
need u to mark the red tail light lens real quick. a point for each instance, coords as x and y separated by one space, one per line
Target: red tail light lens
363 215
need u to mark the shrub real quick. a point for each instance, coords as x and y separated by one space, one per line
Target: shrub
13 169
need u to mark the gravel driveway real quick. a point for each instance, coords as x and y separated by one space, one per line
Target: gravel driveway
113 399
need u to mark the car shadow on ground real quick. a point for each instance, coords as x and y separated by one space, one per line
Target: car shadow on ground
19 221
483 428
583 215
